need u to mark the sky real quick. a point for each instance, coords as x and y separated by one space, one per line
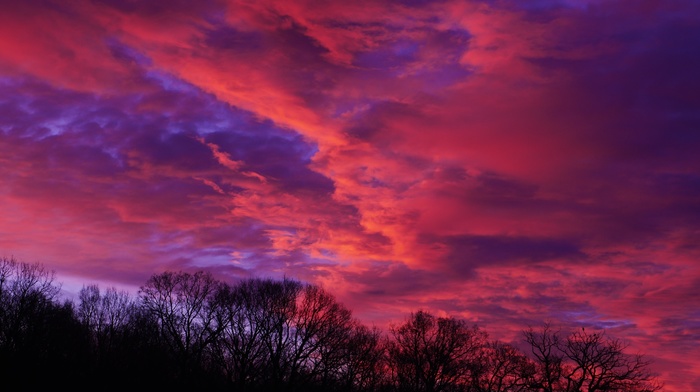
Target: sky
504 162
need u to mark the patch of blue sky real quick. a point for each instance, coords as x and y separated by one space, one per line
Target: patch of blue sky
221 256
596 321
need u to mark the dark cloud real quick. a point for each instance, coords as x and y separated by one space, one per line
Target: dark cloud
468 252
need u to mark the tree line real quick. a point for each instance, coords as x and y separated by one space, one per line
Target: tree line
190 331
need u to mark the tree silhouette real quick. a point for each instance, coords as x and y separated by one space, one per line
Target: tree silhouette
183 305
106 314
430 354
597 363
322 329
503 368
365 364
189 330
281 334
242 352
545 347
40 341
587 362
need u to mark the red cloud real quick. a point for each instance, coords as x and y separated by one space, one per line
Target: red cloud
504 162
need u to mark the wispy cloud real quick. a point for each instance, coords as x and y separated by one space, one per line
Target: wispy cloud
502 161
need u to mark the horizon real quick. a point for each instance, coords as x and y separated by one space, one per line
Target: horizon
502 162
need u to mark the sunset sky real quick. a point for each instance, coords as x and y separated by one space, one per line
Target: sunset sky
505 162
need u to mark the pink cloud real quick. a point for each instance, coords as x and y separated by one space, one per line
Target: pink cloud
499 161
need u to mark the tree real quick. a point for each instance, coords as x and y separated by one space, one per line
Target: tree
26 290
597 363
545 347
183 305
364 366
503 368
276 318
104 314
143 355
430 354
190 330
106 319
40 341
281 334
241 351
587 362
322 330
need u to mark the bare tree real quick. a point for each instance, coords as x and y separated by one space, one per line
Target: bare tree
187 330
503 368
597 363
279 308
241 351
587 362
545 347
106 318
25 291
364 367
40 342
104 313
183 304
322 329
281 334
434 354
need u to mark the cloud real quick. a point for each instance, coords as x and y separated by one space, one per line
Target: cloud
501 161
